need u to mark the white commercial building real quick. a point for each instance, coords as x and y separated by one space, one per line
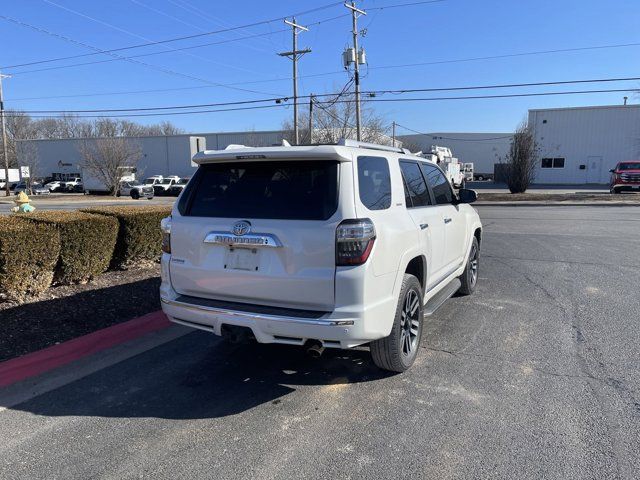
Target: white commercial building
161 155
575 146
580 145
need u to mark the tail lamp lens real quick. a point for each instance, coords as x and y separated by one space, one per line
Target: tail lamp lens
165 227
354 241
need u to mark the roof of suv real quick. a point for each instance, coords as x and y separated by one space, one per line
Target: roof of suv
342 152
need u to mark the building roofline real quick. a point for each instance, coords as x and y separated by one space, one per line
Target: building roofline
246 132
593 107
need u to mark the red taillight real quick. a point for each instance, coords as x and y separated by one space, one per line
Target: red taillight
354 241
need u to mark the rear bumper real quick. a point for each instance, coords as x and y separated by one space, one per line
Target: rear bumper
331 329
341 328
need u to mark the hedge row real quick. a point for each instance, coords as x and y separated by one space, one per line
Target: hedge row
28 256
68 247
86 243
139 235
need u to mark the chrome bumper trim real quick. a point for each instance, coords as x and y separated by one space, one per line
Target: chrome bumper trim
257 316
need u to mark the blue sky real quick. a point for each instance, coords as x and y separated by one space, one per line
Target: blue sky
441 31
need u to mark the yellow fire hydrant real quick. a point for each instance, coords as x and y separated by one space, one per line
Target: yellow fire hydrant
22 204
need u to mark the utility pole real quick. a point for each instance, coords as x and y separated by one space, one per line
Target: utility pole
354 18
4 140
393 133
294 55
311 119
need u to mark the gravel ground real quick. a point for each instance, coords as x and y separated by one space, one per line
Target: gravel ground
66 312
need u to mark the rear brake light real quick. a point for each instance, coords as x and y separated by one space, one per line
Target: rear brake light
354 241
165 227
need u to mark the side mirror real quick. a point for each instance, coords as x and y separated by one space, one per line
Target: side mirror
466 195
612 170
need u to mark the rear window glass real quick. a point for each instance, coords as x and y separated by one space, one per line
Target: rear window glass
374 182
288 190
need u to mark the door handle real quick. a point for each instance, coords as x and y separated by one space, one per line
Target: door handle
423 226
447 220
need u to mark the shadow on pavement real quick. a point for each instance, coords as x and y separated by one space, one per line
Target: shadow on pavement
78 310
199 376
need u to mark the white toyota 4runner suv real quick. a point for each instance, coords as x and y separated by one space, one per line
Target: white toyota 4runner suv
322 246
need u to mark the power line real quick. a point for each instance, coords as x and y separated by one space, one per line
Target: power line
167 48
509 55
120 57
371 93
457 139
371 100
130 60
410 4
149 54
168 40
506 85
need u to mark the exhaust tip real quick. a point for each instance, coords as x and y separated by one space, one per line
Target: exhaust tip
315 349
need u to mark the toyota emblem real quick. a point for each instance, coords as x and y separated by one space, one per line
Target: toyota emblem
241 228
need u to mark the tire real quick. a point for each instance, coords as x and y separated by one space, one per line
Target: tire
615 191
398 351
135 195
469 278
118 194
480 178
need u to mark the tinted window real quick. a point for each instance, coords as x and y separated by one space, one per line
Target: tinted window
414 181
296 190
374 182
552 163
439 184
629 166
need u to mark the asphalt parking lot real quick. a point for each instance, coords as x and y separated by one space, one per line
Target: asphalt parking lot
537 375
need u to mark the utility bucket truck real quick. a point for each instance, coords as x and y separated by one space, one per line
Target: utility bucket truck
448 163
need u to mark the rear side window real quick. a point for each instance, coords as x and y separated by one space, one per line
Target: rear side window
415 185
439 184
284 190
374 183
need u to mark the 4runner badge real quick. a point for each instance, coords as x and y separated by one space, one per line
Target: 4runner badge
241 228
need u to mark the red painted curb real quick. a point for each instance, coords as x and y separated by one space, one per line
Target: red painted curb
32 364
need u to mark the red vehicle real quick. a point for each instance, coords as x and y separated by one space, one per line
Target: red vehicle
626 176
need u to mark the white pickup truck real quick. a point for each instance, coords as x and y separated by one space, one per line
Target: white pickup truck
319 246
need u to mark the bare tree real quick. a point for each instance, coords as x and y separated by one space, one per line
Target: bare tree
335 118
521 160
107 159
27 155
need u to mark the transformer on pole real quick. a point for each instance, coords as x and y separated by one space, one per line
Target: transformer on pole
357 57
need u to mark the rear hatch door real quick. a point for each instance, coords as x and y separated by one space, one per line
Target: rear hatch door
258 232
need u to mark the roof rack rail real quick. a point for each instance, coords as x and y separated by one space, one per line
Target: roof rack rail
347 142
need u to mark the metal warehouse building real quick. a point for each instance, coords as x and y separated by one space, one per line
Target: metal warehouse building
161 155
580 145
575 146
